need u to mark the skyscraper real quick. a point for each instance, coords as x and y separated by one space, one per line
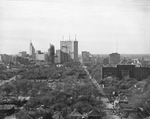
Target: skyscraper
75 51
71 48
32 51
61 57
51 54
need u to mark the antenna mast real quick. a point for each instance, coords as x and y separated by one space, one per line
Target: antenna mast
75 37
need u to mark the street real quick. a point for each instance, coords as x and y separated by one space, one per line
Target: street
109 106
7 81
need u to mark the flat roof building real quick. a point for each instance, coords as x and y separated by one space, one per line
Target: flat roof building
122 71
114 58
40 56
71 48
61 57
51 54
22 54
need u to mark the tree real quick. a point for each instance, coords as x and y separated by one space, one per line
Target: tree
22 86
8 88
23 114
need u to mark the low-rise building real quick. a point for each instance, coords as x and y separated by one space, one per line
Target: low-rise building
122 71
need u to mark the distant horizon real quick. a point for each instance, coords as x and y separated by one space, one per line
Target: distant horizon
126 54
91 53
101 26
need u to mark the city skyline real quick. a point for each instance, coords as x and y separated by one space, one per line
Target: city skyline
102 27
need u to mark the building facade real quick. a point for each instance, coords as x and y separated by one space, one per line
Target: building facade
122 71
71 48
51 54
32 51
22 54
17 60
40 56
114 58
75 56
61 57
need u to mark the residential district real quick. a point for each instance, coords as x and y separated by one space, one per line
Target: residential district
62 84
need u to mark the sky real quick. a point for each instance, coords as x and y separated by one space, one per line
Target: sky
101 26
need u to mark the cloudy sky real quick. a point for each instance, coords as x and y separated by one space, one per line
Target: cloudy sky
99 25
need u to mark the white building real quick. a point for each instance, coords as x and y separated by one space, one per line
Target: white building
40 56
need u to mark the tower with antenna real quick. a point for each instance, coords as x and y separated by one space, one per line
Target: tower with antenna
70 47
76 49
75 37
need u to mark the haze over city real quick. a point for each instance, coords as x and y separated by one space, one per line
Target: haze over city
99 25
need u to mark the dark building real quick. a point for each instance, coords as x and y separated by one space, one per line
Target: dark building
20 60
125 70
141 72
51 54
109 71
122 71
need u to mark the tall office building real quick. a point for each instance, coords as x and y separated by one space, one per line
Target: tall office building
51 54
32 51
75 51
114 58
71 48
61 57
